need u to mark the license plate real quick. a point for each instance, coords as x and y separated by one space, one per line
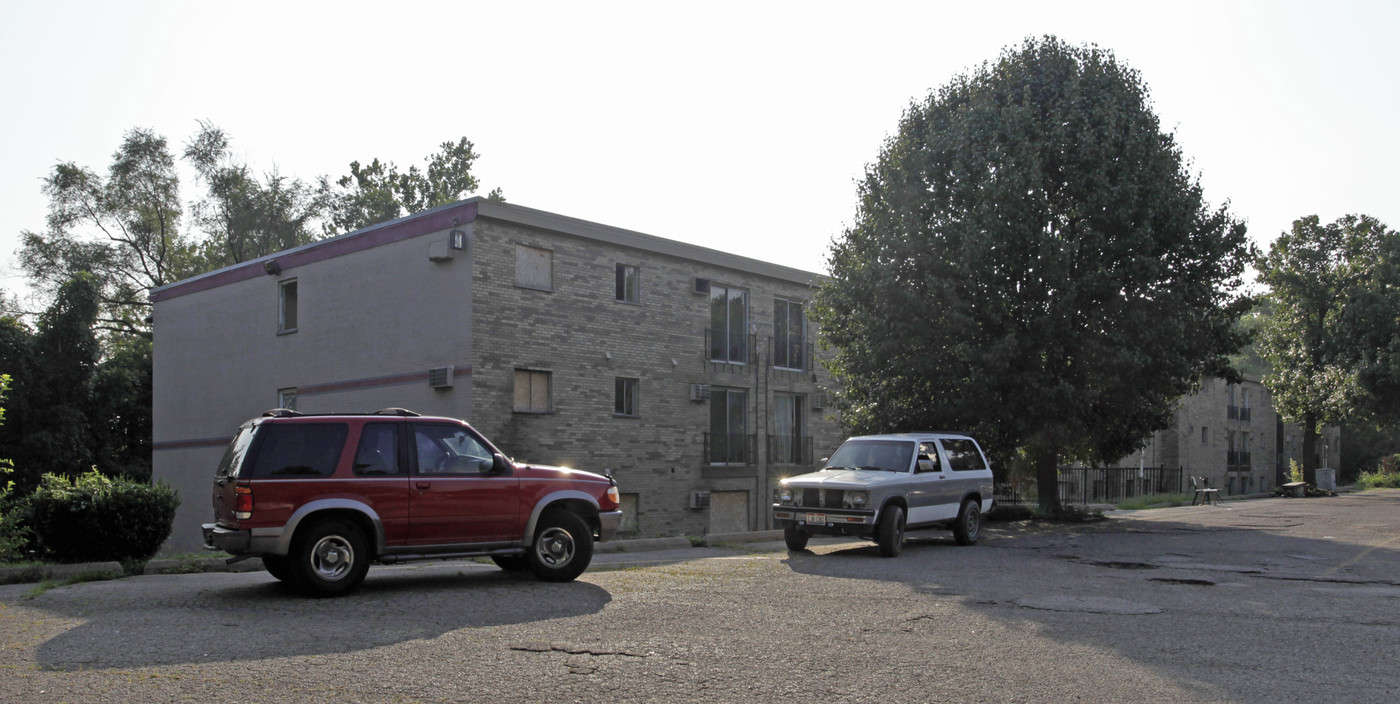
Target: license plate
816 518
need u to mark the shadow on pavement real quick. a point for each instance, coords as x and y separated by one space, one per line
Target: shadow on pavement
1256 601
230 617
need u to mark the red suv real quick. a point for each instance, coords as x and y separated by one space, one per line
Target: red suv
319 497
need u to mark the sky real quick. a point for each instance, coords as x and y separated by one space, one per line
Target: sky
739 126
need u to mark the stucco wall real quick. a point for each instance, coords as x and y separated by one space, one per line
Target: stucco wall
370 325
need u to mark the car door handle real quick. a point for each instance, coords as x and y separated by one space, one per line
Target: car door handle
423 485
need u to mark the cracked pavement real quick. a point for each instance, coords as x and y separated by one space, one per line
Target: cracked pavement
1274 600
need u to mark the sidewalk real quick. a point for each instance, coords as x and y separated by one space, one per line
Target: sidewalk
57 572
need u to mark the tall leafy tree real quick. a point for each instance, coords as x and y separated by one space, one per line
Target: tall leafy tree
1331 332
55 389
123 229
378 191
243 217
1032 261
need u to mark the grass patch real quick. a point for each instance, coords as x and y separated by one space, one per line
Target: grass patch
1378 480
696 541
1155 501
1028 512
98 576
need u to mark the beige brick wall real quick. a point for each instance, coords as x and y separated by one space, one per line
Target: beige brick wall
585 338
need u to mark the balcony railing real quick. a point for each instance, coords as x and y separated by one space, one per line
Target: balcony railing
798 357
729 448
789 449
720 348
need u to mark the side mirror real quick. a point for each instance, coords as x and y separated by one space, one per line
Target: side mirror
501 465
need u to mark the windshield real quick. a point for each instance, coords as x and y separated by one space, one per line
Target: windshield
886 455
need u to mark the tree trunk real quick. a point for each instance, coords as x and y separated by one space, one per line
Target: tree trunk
1047 479
1310 448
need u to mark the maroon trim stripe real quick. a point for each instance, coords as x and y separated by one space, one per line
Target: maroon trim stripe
333 387
372 382
373 236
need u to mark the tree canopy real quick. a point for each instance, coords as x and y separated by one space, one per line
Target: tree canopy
1331 330
1031 261
377 192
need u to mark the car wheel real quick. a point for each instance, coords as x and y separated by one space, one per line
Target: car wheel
795 537
329 558
279 566
968 527
562 549
512 563
891 532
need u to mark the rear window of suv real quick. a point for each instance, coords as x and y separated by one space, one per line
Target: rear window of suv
298 449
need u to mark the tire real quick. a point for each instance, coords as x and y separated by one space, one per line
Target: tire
562 548
279 566
329 558
968 528
795 537
890 534
512 563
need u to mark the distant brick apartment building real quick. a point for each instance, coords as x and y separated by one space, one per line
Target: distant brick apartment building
1231 435
689 373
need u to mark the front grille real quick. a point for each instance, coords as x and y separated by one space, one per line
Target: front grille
823 498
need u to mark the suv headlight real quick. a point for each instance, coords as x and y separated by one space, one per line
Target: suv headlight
857 499
785 494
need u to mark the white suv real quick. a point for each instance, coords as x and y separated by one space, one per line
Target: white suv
878 486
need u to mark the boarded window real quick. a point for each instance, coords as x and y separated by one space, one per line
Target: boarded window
531 391
534 268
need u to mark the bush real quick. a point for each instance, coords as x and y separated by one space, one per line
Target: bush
94 518
14 518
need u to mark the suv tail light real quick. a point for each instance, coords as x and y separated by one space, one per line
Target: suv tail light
243 502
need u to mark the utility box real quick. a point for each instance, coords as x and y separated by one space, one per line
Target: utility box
1326 479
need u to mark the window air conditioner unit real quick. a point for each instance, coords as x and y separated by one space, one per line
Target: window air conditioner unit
440 377
702 286
699 392
699 499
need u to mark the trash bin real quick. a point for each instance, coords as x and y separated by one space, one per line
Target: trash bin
1326 479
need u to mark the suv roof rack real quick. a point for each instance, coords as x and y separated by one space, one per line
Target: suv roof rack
396 412
280 413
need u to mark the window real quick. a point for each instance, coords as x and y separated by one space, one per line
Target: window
287 306
299 449
531 391
287 398
625 396
450 449
729 323
962 455
787 430
629 283
789 335
534 268
1205 435
378 453
727 441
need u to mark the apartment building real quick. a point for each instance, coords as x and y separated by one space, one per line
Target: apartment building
1231 435
688 373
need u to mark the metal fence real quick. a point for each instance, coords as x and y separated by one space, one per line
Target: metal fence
1099 485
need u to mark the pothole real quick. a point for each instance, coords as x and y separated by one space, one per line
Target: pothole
1184 580
1089 605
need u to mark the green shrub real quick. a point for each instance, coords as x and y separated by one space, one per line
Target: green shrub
14 518
94 518
1379 480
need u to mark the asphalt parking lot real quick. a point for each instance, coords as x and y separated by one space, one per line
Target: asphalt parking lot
1274 600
